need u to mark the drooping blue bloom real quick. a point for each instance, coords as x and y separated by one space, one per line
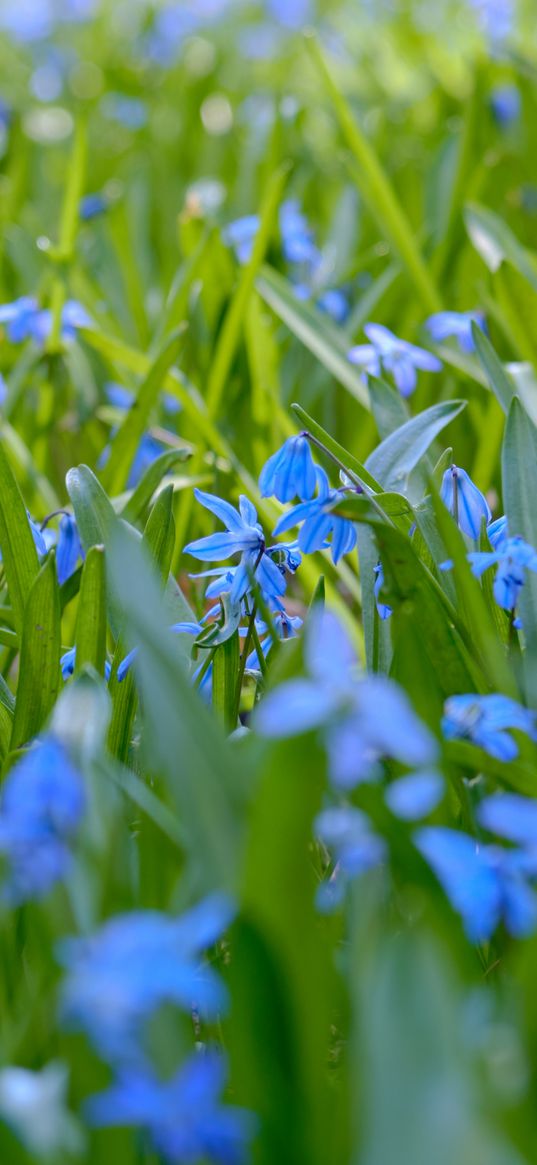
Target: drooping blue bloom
465 501
184 1115
484 884
42 805
383 609
415 795
319 521
286 627
513 557
297 236
69 549
37 536
485 720
497 531
506 103
135 963
362 720
458 324
68 664
398 357
242 535
290 472
347 834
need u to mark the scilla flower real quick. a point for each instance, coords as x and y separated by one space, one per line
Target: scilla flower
387 352
290 472
485 719
455 323
319 521
242 535
512 556
465 501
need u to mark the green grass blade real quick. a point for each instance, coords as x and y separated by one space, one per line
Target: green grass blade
19 554
39 670
91 615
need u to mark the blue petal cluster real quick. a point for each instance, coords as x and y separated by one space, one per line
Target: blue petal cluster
242 535
319 522
512 556
465 501
69 549
485 721
43 802
290 472
386 352
26 320
456 323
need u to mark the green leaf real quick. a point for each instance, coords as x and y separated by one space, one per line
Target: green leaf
341 455
395 458
224 680
496 243
19 555
91 613
125 443
312 328
519 477
498 379
39 669
389 409
149 482
94 512
159 533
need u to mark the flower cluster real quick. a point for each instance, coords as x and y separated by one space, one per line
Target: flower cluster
25 320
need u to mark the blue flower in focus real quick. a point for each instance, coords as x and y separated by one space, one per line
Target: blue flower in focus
362 720
497 532
485 884
386 351
135 963
384 611
43 802
485 720
184 1115
290 472
505 102
319 522
286 627
465 501
242 535
347 834
37 536
458 324
69 549
513 557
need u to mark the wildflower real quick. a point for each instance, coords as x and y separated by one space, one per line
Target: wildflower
334 303
513 557
484 884
37 536
286 627
485 719
243 535
506 104
91 206
69 548
458 324
43 802
121 974
297 235
290 472
497 532
362 720
465 501
240 235
26 320
383 609
19 317
34 1105
319 522
184 1116
511 816
398 357
68 664
415 795
347 834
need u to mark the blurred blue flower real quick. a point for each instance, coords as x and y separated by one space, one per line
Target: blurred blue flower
484 884
25 320
92 205
19 317
69 549
334 303
121 974
511 816
415 795
131 112
513 557
456 323
383 609
485 719
347 834
43 802
240 235
319 522
506 103
243 535
386 351
465 501
290 13
184 1116
148 450
363 720
297 236
290 472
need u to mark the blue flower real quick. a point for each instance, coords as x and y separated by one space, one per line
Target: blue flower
184 1116
347 834
290 472
512 556
383 609
334 303
456 323
37 536
505 103
484 884
319 523
69 548
177 628
485 719
497 532
92 205
362 720
398 357
511 816
25 320
415 795
240 235
120 975
297 236
286 627
43 802
242 535
19 317
465 501
68 664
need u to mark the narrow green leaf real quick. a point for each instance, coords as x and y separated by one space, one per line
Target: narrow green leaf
519 478
395 458
39 669
19 555
224 680
94 512
159 533
91 614
496 243
493 368
149 482
337 451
